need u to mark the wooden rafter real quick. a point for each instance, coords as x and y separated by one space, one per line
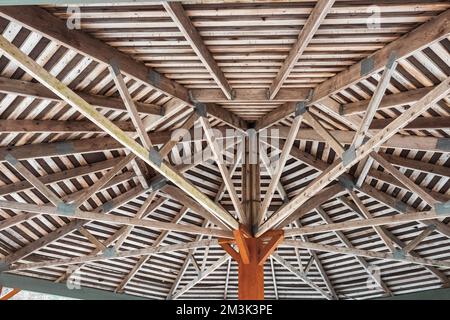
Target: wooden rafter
339 167
179 16
306 34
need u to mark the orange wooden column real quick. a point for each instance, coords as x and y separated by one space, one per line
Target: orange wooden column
10 294
253 253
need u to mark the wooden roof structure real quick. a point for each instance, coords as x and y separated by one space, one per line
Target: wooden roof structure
95 185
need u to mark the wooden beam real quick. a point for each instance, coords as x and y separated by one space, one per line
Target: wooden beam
241 243
422 123
280 166
366 253
346 137
339 167
379 221
71 226
324 133
37 90
306 34
115 255
218 158
160 239
130 105
151 157
89 192
95 216
424 195
190 33
270 247
202 276
388 101
340 235
300 275
363 129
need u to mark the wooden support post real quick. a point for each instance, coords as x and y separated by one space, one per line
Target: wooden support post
253 253
251 275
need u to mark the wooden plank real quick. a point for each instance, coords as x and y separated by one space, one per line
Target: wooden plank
87 110
306 34
190 33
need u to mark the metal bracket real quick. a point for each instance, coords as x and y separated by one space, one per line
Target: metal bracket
200 109
107 206
392 59
109 252
155 157
442 208
443 144
4 267
154 77
367 65
11 159
400 206
233 94
399 254
63 148
158 184
114 66
349 155
347 183
66 209
300 108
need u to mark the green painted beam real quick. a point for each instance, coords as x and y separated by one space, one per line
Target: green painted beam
435 294
60 289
